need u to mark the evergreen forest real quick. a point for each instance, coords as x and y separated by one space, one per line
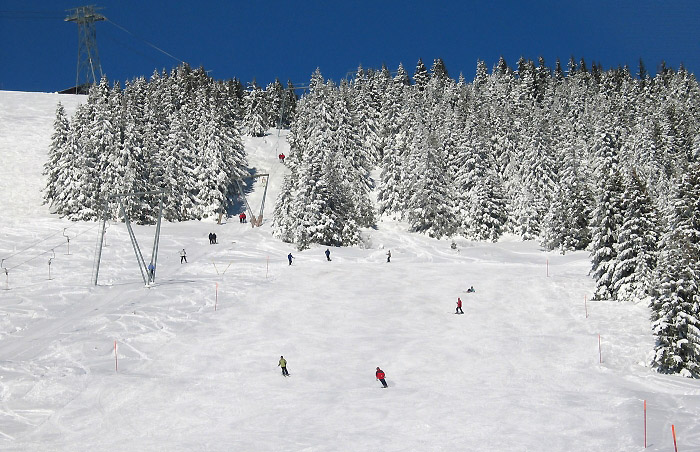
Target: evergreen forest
576 157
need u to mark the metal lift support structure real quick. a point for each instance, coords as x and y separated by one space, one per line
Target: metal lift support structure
254 221
88 58
147 276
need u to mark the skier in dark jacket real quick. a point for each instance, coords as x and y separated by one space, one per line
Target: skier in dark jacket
380 376
328 254
290 257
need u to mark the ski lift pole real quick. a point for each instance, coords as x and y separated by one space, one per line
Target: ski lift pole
51 259
103 230
134 243
7 276
67 238
262 205
156 240
104 235
245 200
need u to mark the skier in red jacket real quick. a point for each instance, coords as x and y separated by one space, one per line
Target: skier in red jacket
459 306
380 376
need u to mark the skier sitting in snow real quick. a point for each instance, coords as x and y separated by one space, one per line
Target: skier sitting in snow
471 290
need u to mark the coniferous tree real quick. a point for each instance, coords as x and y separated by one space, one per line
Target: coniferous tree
429 208
421 76
256 112
55 165
676 303
607 216
636 244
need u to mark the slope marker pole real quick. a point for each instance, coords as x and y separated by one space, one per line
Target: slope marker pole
675 444
585 303
216 300
116 359
600 352
645 424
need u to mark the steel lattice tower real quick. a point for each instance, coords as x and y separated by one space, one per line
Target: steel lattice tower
89 69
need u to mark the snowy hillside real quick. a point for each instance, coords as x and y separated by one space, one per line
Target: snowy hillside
196 354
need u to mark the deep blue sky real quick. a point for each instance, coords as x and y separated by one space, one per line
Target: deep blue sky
271 38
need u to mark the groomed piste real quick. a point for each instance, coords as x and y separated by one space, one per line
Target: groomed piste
191 362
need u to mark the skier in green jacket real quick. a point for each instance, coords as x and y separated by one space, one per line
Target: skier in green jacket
283 365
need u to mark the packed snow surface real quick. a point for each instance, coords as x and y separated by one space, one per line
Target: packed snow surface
196 354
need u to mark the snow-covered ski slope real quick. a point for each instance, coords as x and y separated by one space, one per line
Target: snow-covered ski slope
197 353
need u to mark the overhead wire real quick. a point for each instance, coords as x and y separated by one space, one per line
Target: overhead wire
31 15
31 246
179 60
50 250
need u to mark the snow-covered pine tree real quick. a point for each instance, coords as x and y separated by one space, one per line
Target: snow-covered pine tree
421 76
566 224
317 199
636 247
676 303
366 106
74 163
256 118
178 165
353 160
480 200
430 206
275 97
55 165
289 105
401 77
283 223
101 148
395 173
608 214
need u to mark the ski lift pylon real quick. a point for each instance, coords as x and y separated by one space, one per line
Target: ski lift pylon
254 221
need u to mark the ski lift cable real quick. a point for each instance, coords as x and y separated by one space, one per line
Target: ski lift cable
31 15
32 245
179 60
51 249
133 49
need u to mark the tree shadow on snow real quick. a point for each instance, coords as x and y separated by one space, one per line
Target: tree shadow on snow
234 202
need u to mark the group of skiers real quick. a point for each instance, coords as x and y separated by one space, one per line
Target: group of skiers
212 238
242 217
328 256
381 376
